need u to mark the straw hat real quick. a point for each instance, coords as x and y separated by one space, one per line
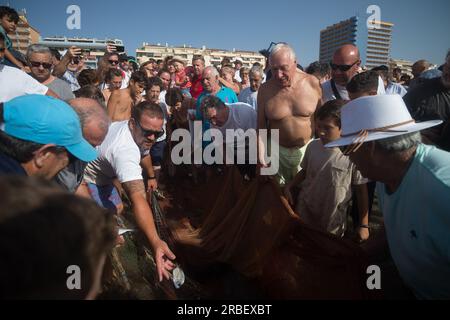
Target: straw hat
376 117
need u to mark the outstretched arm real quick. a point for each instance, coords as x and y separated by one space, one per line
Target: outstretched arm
144 218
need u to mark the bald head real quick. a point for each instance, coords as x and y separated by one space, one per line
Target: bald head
345 64
419 67
348 53
93 118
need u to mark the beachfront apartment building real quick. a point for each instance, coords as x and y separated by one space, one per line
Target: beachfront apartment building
186 53
373 39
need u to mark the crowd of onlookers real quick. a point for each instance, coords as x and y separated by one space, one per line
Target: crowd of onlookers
70 133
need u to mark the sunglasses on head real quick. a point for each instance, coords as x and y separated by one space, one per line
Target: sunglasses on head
147 133
114 62
342 67
45 65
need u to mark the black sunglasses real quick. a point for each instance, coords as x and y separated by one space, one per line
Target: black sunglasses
2 49
114 62
147 133
342 67
36 64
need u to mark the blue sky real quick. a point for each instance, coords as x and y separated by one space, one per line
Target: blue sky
421 27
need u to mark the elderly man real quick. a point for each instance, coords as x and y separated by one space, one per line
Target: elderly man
121 153
250 95
40 61
413 188
15 83
94 123
198 63
346 63
40 136
287 103
430 100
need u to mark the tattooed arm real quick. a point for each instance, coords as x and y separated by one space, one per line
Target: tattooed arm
144 219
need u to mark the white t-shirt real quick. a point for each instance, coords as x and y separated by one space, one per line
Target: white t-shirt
118 156
250 97
15 83
237 76
328 94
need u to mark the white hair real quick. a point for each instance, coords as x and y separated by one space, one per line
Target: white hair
400 143
283 46
213 71
257 70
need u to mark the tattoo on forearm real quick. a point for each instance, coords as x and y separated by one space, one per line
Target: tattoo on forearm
136 186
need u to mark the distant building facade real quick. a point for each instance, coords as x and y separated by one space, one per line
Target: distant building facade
186 53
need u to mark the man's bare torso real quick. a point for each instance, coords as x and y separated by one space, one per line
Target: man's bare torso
120 104
291 109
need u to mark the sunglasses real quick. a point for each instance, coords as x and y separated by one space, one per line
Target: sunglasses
2 49
342 67
43 64
147 133
114 62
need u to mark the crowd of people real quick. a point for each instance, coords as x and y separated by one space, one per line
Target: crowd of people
70 134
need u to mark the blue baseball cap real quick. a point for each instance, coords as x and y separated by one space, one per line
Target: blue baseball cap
46 120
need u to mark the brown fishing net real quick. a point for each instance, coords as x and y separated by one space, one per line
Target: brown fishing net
252 228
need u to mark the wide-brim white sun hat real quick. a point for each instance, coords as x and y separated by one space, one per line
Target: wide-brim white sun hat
376 117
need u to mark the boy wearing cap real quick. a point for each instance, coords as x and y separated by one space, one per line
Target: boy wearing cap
383 141
326 180
40 132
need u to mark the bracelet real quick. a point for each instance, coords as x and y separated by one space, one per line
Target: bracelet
364 226
151 178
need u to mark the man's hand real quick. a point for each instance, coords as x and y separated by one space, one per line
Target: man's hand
163 257
287 193
152 185
73 52
111 48
363 234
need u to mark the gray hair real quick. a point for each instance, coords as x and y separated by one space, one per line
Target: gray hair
213 71
399 143
211 102
37 48
90 110
256 70
281 46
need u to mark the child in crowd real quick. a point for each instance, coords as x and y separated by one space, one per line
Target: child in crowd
182 81
326 180
9 18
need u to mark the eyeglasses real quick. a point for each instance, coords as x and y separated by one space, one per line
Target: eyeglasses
114 62
36 64
147 133
342 67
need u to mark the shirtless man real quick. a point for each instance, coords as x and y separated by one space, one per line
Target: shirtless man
122 101
114 80
287 102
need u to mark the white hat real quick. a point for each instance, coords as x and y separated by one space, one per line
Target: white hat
376 117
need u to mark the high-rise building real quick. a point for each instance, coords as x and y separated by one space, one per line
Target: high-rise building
373 39
186 53
25 34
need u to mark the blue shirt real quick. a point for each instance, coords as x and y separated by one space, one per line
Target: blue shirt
417 221
10 166
225 94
